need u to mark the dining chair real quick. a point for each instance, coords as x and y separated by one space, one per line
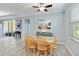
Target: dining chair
42 46
30 43
53 45
55 41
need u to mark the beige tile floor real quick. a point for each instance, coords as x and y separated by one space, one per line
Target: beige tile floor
10 46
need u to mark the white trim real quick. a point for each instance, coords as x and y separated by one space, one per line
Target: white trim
60 43
69 50
76 40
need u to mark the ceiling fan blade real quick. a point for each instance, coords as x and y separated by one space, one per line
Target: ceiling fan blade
45 10
38 10
35 6
47 6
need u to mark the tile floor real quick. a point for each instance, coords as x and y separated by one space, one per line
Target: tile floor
10 46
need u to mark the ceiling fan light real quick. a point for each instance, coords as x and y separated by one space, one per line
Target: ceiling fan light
42 8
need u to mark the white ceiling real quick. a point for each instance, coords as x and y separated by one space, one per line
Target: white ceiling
26 9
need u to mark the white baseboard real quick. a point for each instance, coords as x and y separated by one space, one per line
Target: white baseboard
60 43
69 50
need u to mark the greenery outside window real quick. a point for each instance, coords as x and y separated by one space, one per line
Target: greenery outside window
75 29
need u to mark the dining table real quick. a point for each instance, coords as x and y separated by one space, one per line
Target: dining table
49 44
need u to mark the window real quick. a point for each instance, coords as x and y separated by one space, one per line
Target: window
1 28
75 29
9 26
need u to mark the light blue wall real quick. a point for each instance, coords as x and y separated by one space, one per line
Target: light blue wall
25 27
57 20
71 15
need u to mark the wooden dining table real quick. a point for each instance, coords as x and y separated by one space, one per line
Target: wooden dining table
50 44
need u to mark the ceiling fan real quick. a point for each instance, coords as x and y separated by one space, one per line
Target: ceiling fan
42 7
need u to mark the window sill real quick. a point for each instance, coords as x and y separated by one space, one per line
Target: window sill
75 39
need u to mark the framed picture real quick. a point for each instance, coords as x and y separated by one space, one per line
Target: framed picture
18 24
44 25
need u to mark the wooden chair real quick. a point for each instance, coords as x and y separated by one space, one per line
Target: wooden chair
30 43
55 44
52 46
55 41
42 46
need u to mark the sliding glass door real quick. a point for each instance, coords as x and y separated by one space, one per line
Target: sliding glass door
9 27
1 28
